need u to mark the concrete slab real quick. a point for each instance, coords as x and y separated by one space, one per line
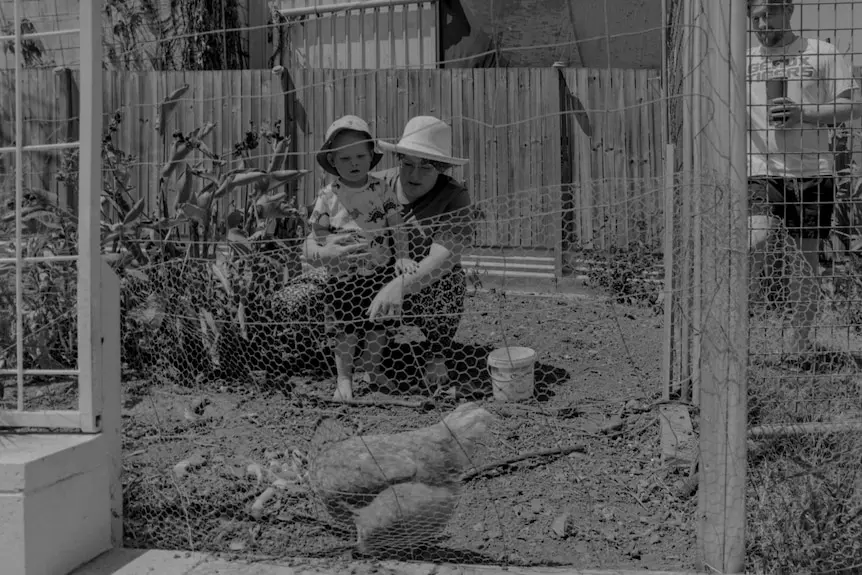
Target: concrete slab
29 462
136 562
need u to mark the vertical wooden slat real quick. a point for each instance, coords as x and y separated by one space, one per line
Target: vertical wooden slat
502 136
536 110
378 89
632 162
302 113
653 201
323 110
583 160
402 101
414 91
387 94
152 144
620 209
522 142
603 172
551 172
360 79
252 83
216 113
514 163
344 95
532 180
442 86
485 80
462 84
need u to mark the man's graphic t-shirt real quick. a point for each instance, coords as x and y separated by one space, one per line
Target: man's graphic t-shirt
816 74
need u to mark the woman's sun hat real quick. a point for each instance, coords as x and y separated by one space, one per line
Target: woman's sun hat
355 124
428 138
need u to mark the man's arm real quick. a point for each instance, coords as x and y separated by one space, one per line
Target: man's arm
841 92
836 112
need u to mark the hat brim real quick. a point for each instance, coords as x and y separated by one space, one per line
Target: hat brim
324 163
408 151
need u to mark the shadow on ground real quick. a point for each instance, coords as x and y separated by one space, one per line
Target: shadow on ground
468 369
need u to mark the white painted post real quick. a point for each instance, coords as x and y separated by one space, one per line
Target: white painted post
90 337
724 340
109 376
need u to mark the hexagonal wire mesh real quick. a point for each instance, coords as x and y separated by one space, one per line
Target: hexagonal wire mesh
246 428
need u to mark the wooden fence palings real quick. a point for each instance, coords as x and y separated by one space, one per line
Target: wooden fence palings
507 121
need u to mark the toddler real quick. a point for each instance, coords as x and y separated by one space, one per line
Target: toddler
365 209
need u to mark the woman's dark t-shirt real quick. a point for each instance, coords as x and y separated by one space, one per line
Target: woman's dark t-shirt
444 215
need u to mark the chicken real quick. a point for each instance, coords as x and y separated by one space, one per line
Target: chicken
399 489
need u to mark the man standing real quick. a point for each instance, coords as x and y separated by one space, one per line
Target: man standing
791 178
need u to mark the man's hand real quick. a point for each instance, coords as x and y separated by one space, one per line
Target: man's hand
784 113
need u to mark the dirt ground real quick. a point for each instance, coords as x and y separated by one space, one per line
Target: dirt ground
596 377
608 502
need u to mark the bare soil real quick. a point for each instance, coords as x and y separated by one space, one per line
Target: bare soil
597 379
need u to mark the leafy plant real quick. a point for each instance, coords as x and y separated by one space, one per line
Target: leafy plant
49 290
625 273
188 309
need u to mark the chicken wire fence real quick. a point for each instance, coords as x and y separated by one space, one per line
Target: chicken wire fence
802 499
232 439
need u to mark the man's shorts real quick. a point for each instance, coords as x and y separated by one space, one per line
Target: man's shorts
804 205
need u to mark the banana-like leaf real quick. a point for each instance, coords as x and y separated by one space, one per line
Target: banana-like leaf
279 155
167 107
109 237
138 275
204 175
237 235
43 217
165 224
179 152
184 189
135 212
195 213
205 198
288 175
208 320
205 130
238 241
218 272
225 186
239 178
243 325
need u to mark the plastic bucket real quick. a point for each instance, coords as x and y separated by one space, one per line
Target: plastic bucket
512 371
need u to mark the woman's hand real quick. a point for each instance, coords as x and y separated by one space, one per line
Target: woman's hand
406 266
388 301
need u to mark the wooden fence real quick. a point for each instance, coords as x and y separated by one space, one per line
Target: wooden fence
517 126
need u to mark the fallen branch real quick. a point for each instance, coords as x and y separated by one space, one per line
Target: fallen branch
792 429
473 473
368 402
